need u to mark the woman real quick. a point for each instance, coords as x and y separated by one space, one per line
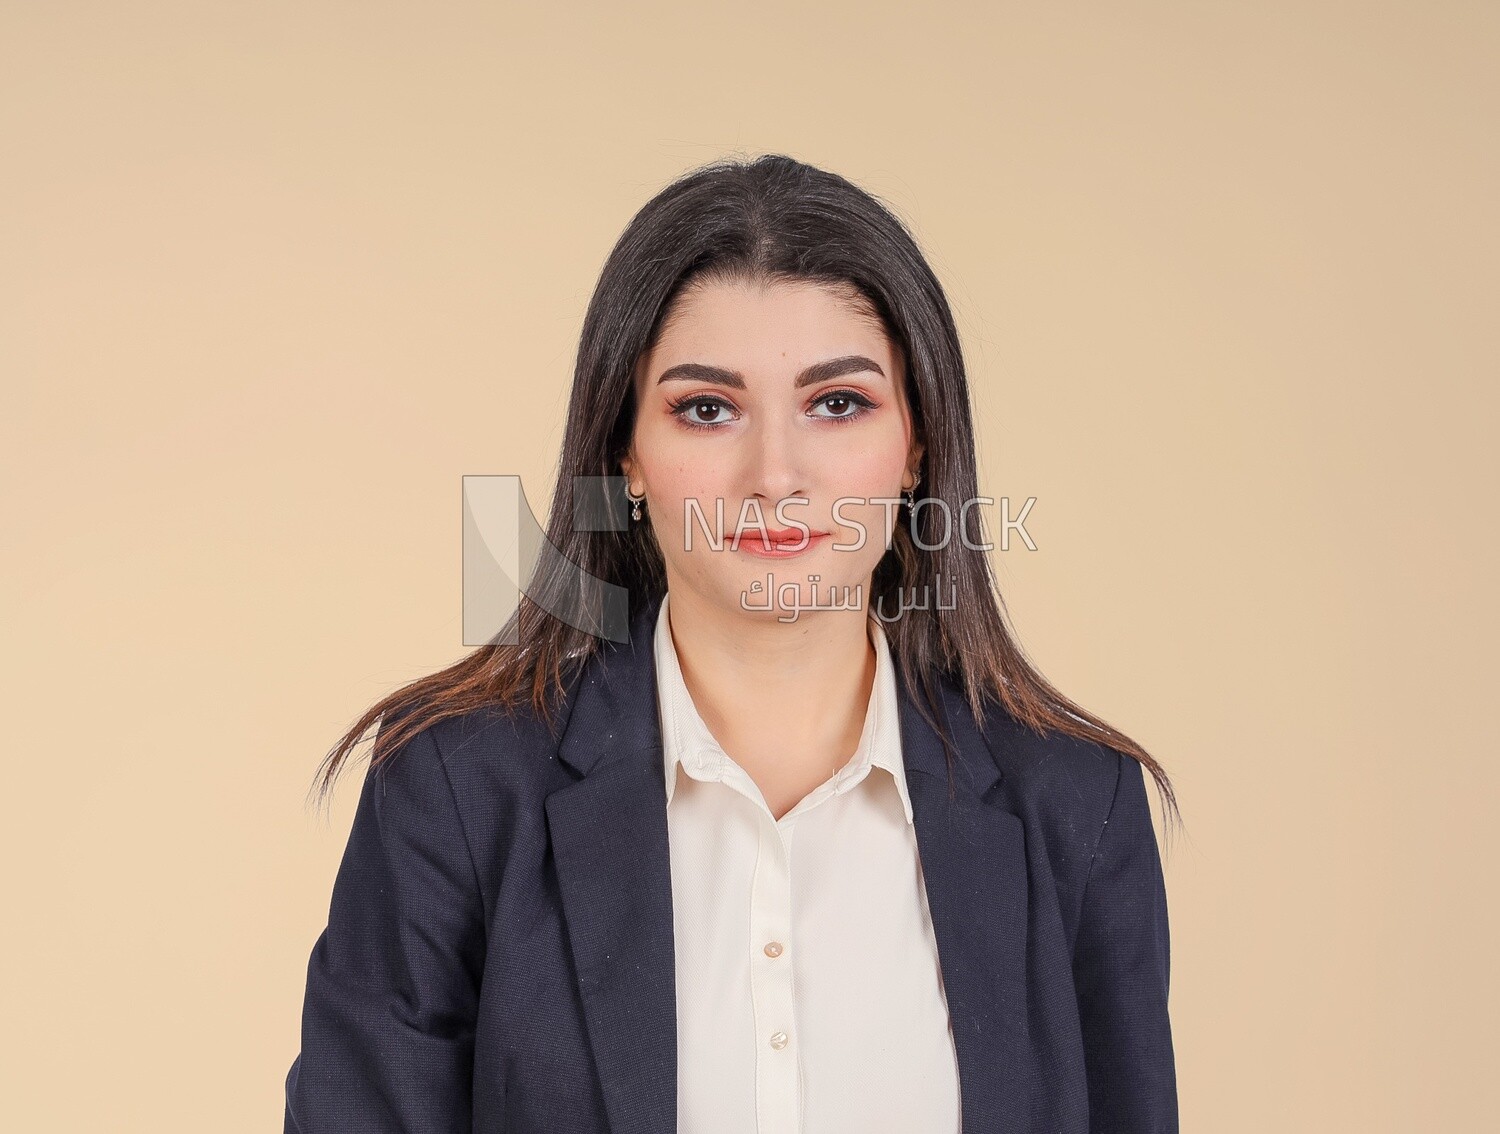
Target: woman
812 846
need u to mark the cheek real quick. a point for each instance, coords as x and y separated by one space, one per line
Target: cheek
675 468
874 466
870 472
675 483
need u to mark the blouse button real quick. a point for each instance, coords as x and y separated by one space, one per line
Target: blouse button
778 1040
773 948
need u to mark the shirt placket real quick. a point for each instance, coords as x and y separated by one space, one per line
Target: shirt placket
777 1043
778 1086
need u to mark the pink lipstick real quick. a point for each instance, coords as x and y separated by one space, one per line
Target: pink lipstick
779 543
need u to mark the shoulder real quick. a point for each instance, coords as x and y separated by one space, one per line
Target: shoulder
1064 789
493 764
470 786
1066 779
497 752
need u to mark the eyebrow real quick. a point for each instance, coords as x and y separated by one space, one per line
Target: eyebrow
817 372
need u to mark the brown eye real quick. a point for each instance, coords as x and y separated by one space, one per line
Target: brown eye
846 404
702 412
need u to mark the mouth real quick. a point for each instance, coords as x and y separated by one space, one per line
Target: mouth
780 543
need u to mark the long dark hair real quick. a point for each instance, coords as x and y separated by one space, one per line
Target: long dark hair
768 219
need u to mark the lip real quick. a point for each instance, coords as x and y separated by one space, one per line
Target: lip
752 543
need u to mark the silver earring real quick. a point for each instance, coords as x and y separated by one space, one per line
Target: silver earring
635 511
911 493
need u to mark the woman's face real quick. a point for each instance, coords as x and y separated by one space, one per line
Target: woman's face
766 395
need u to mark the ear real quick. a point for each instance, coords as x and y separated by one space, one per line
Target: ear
915 460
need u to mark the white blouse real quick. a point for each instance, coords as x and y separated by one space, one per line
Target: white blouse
809 996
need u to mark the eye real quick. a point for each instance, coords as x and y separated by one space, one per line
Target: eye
702 412
847 404
706 411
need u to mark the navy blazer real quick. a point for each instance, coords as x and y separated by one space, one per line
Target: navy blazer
499 948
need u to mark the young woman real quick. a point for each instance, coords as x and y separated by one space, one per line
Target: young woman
812 847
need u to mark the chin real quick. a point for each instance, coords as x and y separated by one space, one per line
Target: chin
753 585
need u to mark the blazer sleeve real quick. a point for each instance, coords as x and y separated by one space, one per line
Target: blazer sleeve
387 1035
1121 968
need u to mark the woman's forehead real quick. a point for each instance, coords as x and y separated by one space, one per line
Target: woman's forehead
765 330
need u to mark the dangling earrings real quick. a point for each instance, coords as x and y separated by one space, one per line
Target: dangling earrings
911 493
635 511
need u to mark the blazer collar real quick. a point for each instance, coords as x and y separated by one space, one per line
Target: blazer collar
609 838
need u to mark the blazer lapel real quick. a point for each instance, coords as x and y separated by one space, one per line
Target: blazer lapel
610 844
974 869
609 841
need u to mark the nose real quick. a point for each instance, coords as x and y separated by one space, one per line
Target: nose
776 466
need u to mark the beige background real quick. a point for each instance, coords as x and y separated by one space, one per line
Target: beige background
275 276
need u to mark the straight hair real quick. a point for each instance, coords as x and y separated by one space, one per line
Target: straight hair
766 220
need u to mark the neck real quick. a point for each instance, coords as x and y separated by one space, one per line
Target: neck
775 692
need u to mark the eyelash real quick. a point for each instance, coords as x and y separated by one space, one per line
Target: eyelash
679 409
